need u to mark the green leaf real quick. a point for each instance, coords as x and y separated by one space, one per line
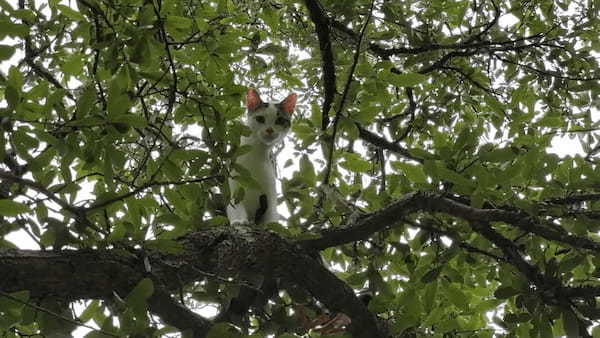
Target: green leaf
596 332
165 245
24 14
13 30
355 163
90 311
108 168
570 323
271 18
117 105
14 304
431 275
138 296
452 176
247 181
118 232
404 79
307 171
517 317
178 22
223 330
73 65
457 297
6 52
13 96
413 172
131 120
86 102
96 334
505 292
11 311
12 208
349 127
498 155
70 13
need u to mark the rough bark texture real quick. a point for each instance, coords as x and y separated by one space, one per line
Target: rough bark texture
224 252
242 253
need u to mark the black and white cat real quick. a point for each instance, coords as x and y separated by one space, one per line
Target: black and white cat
269 123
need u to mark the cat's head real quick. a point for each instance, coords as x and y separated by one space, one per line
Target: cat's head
269 122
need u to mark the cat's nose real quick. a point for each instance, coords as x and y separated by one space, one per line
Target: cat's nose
269 131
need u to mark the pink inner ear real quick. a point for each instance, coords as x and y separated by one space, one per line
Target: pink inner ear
288 104
253 100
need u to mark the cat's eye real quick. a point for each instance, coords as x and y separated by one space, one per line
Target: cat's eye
281 121
260 119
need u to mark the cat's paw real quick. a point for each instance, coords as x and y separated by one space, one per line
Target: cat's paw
240 222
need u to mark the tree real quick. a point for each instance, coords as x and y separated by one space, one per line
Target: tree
419 169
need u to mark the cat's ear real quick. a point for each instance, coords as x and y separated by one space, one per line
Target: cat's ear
253 100
288 104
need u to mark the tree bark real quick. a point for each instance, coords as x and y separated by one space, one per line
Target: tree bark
226 252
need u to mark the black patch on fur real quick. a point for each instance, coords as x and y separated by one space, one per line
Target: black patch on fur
262 208
286 117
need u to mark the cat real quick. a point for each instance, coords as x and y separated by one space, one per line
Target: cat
269 123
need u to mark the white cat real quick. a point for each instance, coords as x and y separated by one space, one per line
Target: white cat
269 123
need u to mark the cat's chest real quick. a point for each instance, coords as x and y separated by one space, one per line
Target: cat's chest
261 168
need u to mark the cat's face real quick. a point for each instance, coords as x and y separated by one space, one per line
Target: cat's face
269 122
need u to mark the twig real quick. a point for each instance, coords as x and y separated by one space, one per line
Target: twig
54 314
381 142
544 72
574 199
102 204
410 110
338 113
39 188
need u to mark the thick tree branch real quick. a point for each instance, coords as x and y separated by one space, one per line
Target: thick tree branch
432 202
327 62
177 315
226 252
510 251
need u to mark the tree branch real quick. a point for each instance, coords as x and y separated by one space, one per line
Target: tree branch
340 109
53 314
226 251
327 63
433 202
574 199
381 142
177 315
102 204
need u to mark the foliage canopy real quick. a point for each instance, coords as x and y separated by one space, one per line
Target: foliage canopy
419 165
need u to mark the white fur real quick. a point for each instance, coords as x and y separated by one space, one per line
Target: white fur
260 164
